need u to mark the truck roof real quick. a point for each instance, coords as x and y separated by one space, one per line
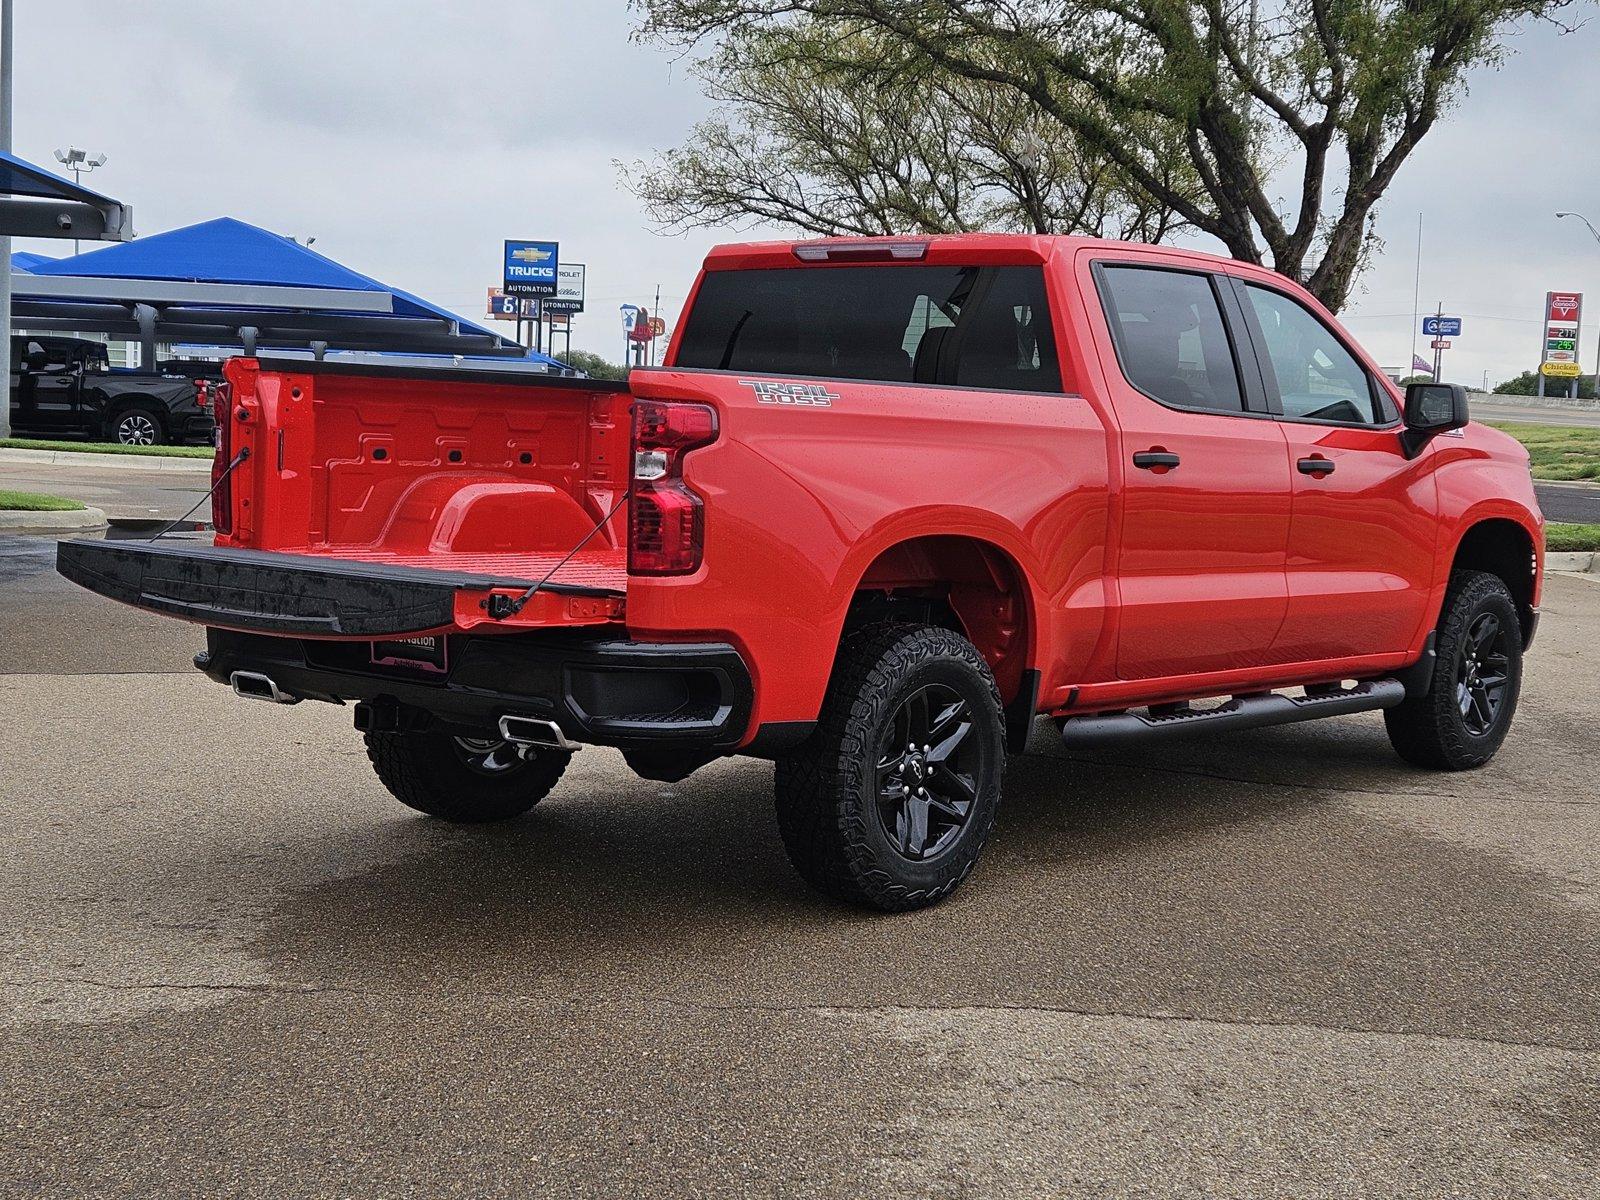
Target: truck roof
947 248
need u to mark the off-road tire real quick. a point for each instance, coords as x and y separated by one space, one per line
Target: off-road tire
827 792
157 425
427 771
1431 731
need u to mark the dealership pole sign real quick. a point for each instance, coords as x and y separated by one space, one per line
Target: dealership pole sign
570 283
532 268
1562 311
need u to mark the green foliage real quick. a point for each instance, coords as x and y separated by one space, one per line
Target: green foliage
1558 451
34 502
592 365
1527 384
1562 537
856 116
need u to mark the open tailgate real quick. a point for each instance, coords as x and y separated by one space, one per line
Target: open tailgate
317 596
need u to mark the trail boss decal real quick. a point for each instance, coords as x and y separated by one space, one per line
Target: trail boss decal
809 395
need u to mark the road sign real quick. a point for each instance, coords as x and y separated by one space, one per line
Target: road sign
570 284
1440 344
1441 327
532 268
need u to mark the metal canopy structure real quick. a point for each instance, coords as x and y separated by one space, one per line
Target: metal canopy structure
229 283
35 203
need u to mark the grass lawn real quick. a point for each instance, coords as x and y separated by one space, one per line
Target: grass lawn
33 502
1558 451
1571 537
109 448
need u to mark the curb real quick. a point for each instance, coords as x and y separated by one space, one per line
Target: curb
128 462
1580 561
74 520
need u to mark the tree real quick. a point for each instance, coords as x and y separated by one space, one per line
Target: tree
1527 384
591 365
1206 109
821 136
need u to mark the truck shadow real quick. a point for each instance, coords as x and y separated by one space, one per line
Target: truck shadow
1190 885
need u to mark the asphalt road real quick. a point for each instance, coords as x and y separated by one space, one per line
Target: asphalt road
1269 964
1582 417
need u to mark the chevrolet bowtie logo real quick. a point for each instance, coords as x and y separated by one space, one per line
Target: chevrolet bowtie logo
530 254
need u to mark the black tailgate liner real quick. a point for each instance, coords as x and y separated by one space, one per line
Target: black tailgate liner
270 592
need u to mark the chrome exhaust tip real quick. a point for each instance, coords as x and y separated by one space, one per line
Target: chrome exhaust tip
252 685
535 731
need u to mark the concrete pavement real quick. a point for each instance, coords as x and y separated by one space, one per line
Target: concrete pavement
123 493
1276 963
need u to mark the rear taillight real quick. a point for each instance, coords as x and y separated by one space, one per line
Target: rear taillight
222 493
666 521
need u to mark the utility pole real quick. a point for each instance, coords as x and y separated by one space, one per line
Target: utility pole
6 30
1438 354
1416 303
655 314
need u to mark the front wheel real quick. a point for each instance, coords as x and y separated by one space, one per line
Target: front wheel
891 801
1477 676
467 780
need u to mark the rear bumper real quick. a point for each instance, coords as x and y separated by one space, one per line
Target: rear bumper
611 692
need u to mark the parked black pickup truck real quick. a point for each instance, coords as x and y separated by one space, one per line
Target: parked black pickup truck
65 387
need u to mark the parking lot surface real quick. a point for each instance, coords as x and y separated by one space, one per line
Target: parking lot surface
1274 963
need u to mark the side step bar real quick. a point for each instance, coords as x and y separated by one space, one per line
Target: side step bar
1241 712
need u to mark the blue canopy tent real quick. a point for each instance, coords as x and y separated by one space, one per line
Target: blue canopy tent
228 283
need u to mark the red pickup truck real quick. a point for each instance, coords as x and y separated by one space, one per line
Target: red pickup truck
888 501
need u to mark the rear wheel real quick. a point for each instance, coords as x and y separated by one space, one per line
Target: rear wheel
468 780
1477 675
138 426
893 798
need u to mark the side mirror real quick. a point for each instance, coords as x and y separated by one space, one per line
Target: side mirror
1431 409
38 360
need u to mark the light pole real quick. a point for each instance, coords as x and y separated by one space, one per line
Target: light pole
1595 233
78 161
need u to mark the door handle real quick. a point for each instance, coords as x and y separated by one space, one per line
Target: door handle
1315 466
1149 460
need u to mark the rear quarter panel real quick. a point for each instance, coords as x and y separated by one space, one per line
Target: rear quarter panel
800 500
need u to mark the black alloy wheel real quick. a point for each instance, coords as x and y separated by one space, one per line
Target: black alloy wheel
890 801
1483 667
489 756
926 773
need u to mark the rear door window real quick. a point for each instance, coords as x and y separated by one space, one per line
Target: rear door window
1170 337
984 327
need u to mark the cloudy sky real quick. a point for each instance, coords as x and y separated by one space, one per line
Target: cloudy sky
411 138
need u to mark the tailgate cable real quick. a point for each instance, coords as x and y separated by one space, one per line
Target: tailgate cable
238 458
501 606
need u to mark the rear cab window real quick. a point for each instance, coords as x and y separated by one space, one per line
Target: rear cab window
1170 337
978 327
